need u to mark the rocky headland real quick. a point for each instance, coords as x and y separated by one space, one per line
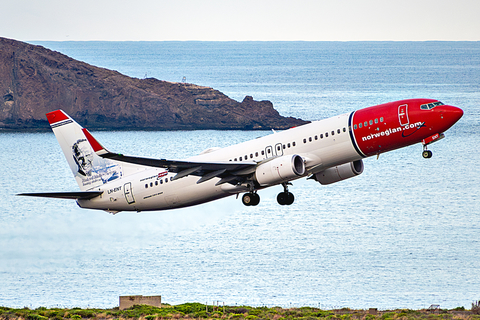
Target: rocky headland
35 80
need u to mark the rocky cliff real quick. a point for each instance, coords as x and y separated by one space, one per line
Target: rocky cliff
35 80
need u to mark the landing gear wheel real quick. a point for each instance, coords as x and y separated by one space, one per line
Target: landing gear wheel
290 198
285 198
255 199
282 198
251 199
427 154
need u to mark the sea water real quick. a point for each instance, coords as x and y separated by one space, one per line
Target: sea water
404 234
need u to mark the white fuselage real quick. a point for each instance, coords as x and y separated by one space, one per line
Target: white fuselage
322 144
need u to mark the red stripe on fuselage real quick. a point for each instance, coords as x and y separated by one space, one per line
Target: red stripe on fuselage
398 124
56 116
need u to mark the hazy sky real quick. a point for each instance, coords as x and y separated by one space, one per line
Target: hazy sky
315 20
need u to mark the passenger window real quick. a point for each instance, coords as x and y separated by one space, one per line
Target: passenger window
246 157
371 122
326 134
354 127
166 180
235 159
294 144
146 185
263 153
321 136
381 119
288 145
161 181
156 183
151 184
304 140
333 133
365 123
376 121
268 151
316 137
310 139
251 155
344 129
284 147
256 154
338 131
360 125
278 148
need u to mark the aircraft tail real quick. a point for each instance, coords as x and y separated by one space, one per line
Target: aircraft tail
80 148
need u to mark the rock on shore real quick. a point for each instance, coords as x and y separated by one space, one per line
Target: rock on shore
35 80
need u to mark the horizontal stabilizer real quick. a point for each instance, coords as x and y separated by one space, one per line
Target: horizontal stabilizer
83 195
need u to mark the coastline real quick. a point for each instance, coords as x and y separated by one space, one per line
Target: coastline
202 311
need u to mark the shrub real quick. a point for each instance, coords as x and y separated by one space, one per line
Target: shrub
190 307
239 310
322 314
34 316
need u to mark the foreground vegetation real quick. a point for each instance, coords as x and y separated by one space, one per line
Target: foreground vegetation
200 311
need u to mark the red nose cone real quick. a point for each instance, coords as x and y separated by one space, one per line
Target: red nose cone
453 113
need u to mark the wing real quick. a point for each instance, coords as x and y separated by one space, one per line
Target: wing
232 172
65 195
227 171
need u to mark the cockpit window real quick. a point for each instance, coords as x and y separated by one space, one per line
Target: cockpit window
428 106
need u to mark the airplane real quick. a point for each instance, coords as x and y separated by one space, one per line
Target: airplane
326 151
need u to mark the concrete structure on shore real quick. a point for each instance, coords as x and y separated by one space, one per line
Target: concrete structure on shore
129 301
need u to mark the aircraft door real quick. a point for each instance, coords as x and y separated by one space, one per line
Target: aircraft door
279 149
127 188
268 152
403 115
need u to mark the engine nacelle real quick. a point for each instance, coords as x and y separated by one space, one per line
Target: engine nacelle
280 170
339 173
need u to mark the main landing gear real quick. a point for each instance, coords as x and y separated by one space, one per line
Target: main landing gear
251 199
427 154
285 197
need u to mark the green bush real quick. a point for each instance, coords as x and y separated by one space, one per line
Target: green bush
192 307
322 314
138 311
388 316
34 316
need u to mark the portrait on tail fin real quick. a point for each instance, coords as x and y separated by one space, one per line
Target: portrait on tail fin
83 157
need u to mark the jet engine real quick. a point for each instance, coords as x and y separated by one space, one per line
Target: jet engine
279 170
339 173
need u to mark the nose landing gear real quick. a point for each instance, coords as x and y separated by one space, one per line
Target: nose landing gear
427 154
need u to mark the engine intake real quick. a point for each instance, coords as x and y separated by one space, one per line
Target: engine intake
339 173
280 170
